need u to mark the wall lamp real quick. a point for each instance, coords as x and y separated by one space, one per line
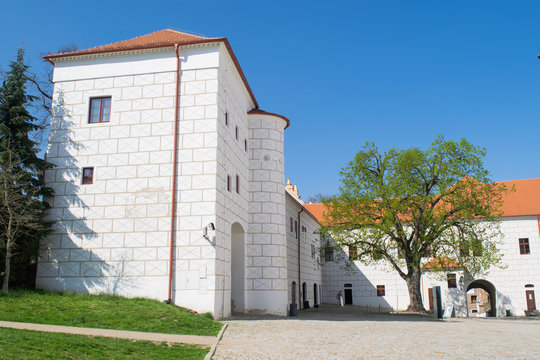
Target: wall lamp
212 227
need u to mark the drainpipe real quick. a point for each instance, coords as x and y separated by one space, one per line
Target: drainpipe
300 293
175 160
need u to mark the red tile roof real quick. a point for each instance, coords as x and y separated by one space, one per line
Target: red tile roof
158 39
524 201
262 112
441 263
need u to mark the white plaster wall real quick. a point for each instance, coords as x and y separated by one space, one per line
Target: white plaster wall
509 281
113 235
266 246
310 266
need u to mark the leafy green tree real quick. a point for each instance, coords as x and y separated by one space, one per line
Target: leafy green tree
20 165
401 206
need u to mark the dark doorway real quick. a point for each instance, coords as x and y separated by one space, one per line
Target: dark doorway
430 296
315 296
348 297
531 302
293 292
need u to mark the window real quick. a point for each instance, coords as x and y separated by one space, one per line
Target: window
88 175
524 248
328 253
474 299
237 184
236 132
313 251
304 231
245 145
296 229
228 182
452 283
227 118
380 290
100 110
353 253
292 224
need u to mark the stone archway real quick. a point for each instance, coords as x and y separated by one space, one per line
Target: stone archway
238 297
483 286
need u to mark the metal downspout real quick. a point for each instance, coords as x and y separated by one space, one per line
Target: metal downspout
175 160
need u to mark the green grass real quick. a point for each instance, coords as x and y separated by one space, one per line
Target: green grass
24 345
103 311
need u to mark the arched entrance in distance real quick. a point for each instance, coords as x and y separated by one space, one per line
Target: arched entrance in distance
490 289
237 268
293 292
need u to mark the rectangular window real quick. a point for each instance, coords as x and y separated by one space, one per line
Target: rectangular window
236 133
100 110
312 251
88 175
228 182
524 248
328 253
296 229
245 145
353 253
227 118
292 224
237 184
380 290
474 299
452 283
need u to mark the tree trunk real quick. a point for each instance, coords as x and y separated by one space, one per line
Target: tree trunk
7 268
415 294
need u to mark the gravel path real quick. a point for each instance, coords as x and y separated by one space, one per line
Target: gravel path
346 333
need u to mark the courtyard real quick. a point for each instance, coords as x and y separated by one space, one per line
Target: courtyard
349 333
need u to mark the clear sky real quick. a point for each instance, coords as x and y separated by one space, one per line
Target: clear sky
344 72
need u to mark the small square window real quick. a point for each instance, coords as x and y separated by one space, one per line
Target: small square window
474 299
381 290
100 110
524 247
452 282
237 184
228 182
88 175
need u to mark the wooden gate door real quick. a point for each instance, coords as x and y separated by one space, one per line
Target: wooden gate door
531 303
430 296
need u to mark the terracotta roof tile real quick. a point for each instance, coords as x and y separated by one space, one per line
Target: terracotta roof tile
525 201
158 39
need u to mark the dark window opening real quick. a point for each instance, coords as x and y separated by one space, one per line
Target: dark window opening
328 253
227 119
381 290
353 253
88 175
524 247
237 184
296 229
228 182
245 145
100 110
292 224
452 283
236 132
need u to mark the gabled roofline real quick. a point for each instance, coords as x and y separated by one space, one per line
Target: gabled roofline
262 112
223 40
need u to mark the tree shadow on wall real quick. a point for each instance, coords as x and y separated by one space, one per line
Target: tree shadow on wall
72 258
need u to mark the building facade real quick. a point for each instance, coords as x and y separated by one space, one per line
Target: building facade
511 286
168 179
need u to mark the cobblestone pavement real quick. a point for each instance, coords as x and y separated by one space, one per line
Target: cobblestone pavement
347 333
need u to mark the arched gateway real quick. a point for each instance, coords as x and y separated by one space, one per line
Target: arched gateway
477 299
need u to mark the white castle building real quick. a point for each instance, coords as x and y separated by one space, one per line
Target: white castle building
169 185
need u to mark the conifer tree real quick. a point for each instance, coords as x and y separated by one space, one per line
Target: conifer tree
21 227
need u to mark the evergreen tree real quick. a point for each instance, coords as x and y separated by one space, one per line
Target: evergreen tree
20 170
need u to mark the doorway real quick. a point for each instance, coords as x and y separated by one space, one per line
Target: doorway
348 294
237 269
430 296
531 302
481 299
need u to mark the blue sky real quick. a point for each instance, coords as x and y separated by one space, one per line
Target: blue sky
393 72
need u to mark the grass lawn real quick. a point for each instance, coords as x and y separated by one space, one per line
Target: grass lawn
24 344
103 311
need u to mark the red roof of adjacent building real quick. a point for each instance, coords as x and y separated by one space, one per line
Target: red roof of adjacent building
524 201
158 39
